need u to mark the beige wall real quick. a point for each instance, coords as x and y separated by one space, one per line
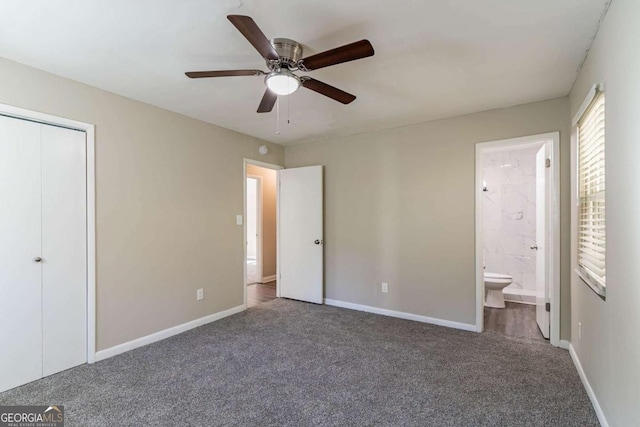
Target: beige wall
269 199
168 189
399 208
610 347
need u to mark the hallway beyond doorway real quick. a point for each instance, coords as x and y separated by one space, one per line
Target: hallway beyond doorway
260 292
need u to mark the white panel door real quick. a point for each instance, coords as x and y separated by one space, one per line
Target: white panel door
542 284
20 237
301 234
64 249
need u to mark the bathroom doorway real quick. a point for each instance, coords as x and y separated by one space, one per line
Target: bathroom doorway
517 237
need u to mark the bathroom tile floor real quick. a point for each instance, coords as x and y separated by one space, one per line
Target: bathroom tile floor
516 319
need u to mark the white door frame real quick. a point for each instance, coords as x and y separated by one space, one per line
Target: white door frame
89 130
259 189
553 254
277 168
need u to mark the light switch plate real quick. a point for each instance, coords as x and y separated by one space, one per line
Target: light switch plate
238 219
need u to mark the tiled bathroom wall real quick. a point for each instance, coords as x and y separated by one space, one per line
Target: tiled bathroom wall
509 215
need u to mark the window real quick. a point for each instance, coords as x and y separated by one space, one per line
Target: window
591 195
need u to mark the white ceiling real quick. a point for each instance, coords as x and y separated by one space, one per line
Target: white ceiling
433 58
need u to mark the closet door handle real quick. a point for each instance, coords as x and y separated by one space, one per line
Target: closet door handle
37 259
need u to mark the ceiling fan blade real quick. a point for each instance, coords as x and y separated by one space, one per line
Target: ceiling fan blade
328 90
254 35
268 101
346 53
223 73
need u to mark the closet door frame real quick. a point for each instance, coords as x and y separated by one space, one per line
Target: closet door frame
89 130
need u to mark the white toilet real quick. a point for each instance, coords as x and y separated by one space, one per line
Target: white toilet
494 283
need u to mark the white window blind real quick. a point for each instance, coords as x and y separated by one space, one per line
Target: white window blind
591 193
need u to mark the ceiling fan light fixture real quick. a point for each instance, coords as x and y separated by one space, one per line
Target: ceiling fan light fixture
282 82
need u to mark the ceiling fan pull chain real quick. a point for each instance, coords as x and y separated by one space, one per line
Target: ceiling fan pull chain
278 116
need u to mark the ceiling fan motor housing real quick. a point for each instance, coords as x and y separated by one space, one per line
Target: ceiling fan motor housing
290 52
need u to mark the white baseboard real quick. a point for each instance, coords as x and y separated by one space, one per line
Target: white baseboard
507 299
564 344
401 315
160 335
587 386
268 279
518 291
522 296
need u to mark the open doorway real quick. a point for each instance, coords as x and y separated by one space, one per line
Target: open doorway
254 237
517 237
261 201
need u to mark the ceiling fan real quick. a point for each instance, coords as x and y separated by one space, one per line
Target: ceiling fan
283 57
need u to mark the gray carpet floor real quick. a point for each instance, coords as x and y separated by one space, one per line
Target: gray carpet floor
287 363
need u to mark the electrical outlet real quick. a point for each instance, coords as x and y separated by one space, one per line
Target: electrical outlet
385 287
579 331
200 294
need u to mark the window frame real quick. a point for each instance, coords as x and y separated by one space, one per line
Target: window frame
598 286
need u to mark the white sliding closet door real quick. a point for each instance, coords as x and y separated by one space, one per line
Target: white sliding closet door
20 274
64 249
43 250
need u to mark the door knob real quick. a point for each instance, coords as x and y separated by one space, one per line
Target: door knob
534 247
318 242
37 259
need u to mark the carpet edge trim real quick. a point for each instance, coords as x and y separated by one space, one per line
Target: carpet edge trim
587 386
401 315
166 333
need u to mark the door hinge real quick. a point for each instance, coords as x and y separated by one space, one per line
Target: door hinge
547 163
547 306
